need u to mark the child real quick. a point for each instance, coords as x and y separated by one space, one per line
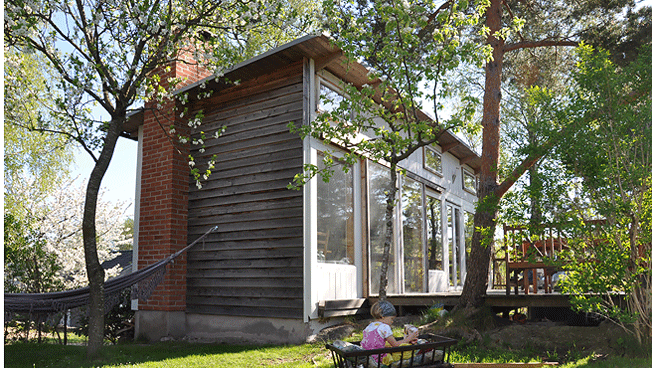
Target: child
379 332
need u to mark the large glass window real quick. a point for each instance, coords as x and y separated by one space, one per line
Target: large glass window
455 239
335 243
412 218
450 236
435 251
379 185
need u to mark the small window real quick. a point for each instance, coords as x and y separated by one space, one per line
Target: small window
469 182
432 160
329 99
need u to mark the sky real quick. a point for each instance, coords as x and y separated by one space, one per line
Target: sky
119 182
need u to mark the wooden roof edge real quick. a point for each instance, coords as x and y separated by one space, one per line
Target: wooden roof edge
248 62
322 44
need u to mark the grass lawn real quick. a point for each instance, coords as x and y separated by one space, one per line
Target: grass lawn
178 354
171 354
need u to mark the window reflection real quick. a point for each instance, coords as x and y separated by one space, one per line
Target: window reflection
432 160
329 99
435 252
469 181
335 217
379 185
412 217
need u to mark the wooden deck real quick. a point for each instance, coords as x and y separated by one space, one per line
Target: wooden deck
496 299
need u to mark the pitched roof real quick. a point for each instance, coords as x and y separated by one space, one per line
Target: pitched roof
123 259
327 56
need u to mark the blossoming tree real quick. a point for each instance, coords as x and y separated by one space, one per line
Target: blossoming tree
104 52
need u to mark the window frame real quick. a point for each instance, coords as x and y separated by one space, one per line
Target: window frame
425 161
331 86
468 172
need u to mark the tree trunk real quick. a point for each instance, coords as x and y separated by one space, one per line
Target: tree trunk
93 268
389 232
475 286
477 276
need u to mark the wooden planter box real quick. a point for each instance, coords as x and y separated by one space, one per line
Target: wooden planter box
434 353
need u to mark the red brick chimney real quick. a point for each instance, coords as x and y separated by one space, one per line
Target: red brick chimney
165 182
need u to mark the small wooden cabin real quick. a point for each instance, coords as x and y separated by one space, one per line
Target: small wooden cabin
279 253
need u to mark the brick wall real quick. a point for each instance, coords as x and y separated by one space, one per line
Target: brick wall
164 194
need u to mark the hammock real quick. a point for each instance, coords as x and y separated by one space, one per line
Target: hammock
142 283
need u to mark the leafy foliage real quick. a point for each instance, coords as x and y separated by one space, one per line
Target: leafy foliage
406 45
615 167
34 162
28 266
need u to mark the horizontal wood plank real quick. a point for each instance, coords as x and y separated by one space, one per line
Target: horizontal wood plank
251 292
277 302
252 216
269 253
262 101
293 273
345 307
266 197
240 283
253 264
242 208
295 243
223 264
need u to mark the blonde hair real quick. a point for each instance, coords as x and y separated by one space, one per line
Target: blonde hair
382 309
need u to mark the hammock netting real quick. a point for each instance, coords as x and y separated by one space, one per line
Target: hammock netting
142 283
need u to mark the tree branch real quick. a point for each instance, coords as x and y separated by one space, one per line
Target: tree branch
542 43
443 6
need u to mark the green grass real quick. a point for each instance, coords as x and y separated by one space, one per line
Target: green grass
610 362
182 354
178 354
170 355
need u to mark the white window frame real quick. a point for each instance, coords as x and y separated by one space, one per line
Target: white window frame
313 147
473 190
425 161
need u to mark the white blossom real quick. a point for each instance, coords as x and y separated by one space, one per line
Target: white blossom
61 225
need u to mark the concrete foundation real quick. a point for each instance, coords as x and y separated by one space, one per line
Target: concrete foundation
246 330
154 325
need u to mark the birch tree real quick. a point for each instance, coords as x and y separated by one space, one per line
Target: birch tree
42 158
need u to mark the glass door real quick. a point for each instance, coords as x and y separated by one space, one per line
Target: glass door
414 276
434 246
379 185
455 242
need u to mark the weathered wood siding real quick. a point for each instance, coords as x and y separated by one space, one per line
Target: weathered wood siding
253 265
